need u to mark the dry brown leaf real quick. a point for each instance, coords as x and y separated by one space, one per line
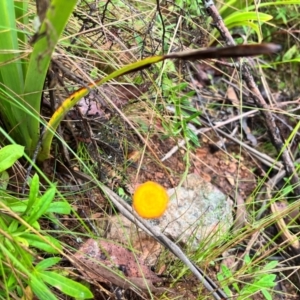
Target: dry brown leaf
231 95
286 235
230 178
229 260
292 217
241 213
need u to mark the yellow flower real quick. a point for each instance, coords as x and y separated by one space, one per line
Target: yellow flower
150 200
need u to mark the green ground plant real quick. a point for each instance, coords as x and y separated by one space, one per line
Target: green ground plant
251 18
23 70
262 281
22 272
179 100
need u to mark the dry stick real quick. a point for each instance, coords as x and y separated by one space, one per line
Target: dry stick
265 159
203 130
259 100
126 211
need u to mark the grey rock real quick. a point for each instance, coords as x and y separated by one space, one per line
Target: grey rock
197 210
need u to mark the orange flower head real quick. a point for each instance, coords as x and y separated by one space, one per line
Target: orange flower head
150 200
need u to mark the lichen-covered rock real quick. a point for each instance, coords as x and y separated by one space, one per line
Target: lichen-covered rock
196 210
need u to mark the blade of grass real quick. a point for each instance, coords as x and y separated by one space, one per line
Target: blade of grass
21 11
49 33
12 77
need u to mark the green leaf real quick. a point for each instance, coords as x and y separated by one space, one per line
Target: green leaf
18 206
247 18
226 271
65 285
40 289
33 193
3 226
271 265
13 226
21 241
21 11
47 263
192 136
230 6
223 279
236 287
11 280
249 24
41 206
59 207
9 41
51 245
9 155
266 294
18 264
291 53
4 180
11 72
9 246
268 280
15 204
241 17
247 259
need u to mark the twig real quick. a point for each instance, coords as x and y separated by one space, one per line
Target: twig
203 130
264 158
267 160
